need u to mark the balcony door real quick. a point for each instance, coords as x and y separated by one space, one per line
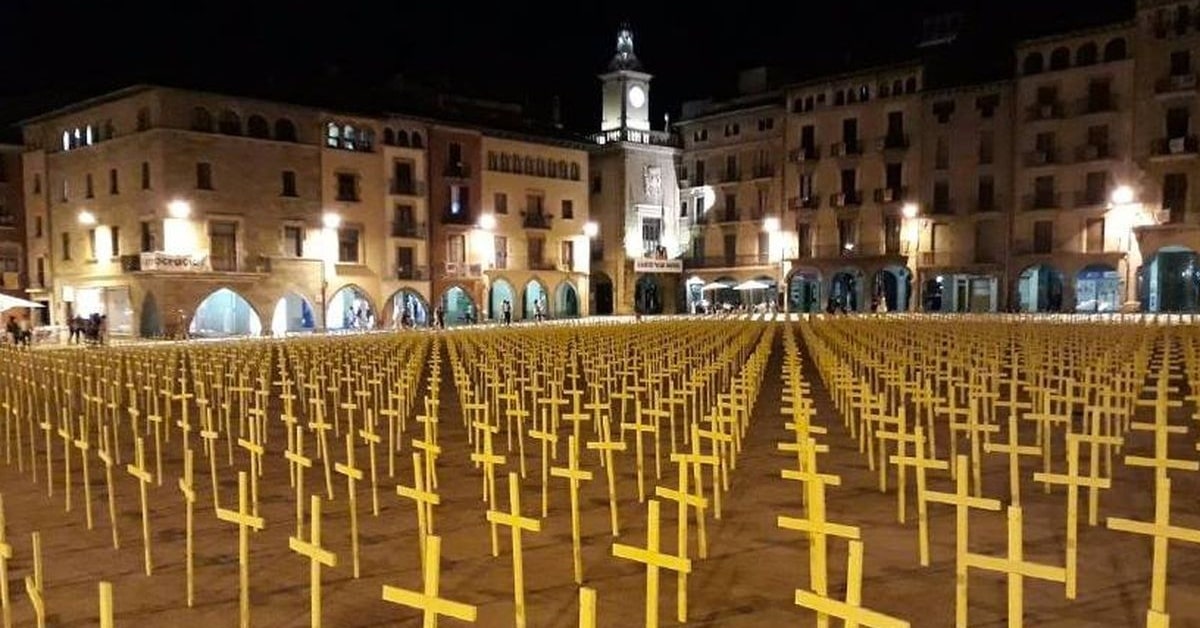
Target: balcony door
405 263
222 245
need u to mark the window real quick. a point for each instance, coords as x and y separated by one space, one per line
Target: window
568 209
1094 242
566 254
1044 196
941 159
891 234
1047 95
347 186
698 246
849 179
1178 122
65 191
348 245
597 184
91 245
1060 59
113 183
651 232
1044 143
850 133
987 105
114 234
222 245
500 203
1033 63
202 120
895 128
847 234
456 249
1097 137
729 248
804 238
88 192
288 183
943 110
699 172
204 176
536 251
731 168
766 124
285 130
147 237
348 137
941 197
257 127
229 123
145 175
455 153
1086 54
500 244
1114 50
683 208
1043 236
293 241
1095 188
37 183
143 119
66 246
493 161
987 147
808 140
731 211
403 181
37 227
41 271
458 200
1181 62
1174 192
573 172
405 266
1099 96
533 205
986 198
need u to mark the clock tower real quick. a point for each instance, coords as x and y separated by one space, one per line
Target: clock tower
625 103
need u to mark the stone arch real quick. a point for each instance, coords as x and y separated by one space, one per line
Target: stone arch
1033 63
804 290
602 294
224 313
1170 280
285 130
534 291
417 142
389 136
293 313
1087 54
1097 289
150 320
229 123
1114 50
257 127
769 295
407 301
846 289
202 120
1040 289
458 306
1060 58
648 295
892 287
350 307
402 138
500 291
566 300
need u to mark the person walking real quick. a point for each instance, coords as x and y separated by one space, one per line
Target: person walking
439 315
506 309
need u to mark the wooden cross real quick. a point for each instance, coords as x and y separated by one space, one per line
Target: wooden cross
245 521
1161 532
654 560
371 438
105 455
1015 450
106 605
920 465
605 446
686 500
548 437
1016 567
189 501
962 502
6 555
428 601
1073 481
638 428
352 474
850 610
139 471
298 462
35 585
317 556
425 501
516 523
255 450
574 475
587 607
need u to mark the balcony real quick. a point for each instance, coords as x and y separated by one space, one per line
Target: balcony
731 176
1175 84
892 194
8 220
1041 201
984 204
763 171
412 273
10 281
846 199
457 170
1096 104
659 138
1036 158
1094 152
942 207
400 187
460 217
535 219
894 141
797 203
937 258
804 153
1091 198
413 230
727 215
727 261
540 264
462 270
847 148
1045 111
1177 146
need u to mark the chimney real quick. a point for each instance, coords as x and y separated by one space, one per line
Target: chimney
556 112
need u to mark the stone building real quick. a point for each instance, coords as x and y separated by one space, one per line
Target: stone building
15 274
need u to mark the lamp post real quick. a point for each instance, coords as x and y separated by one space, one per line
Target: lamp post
1128 211
911 231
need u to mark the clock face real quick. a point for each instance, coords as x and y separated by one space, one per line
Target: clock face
637 96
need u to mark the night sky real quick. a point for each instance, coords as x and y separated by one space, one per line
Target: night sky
525 52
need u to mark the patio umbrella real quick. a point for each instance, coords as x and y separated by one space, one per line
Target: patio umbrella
752 284
8 303
716 285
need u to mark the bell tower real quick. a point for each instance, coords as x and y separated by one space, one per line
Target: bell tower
625 93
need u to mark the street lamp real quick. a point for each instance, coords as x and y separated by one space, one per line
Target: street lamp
771 225
87 218
591 229
331 220
1123 195
909 210
487 222
179 209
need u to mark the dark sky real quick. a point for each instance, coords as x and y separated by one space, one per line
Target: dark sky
525 52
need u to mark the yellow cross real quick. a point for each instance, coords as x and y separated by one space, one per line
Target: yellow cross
573 475
35 585
920 464
245 521
138 470
850 610
425 501
962 502
1015 450
352 474
317 556
6 554
106 605
654 560
1016 567
605 446
516 523
1073 481
428 601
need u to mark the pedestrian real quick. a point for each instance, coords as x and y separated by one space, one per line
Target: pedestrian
506 308
73 330
13 330
439 315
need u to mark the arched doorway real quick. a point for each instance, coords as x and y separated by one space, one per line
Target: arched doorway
151 325
1171 281
765 296
459 306
804 291
602 294
845 289
933 294
647 297
693 295
566 301
225 313
891 288
499 292
350 308
1040 289
408 306
293 313
1098 289
535 295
